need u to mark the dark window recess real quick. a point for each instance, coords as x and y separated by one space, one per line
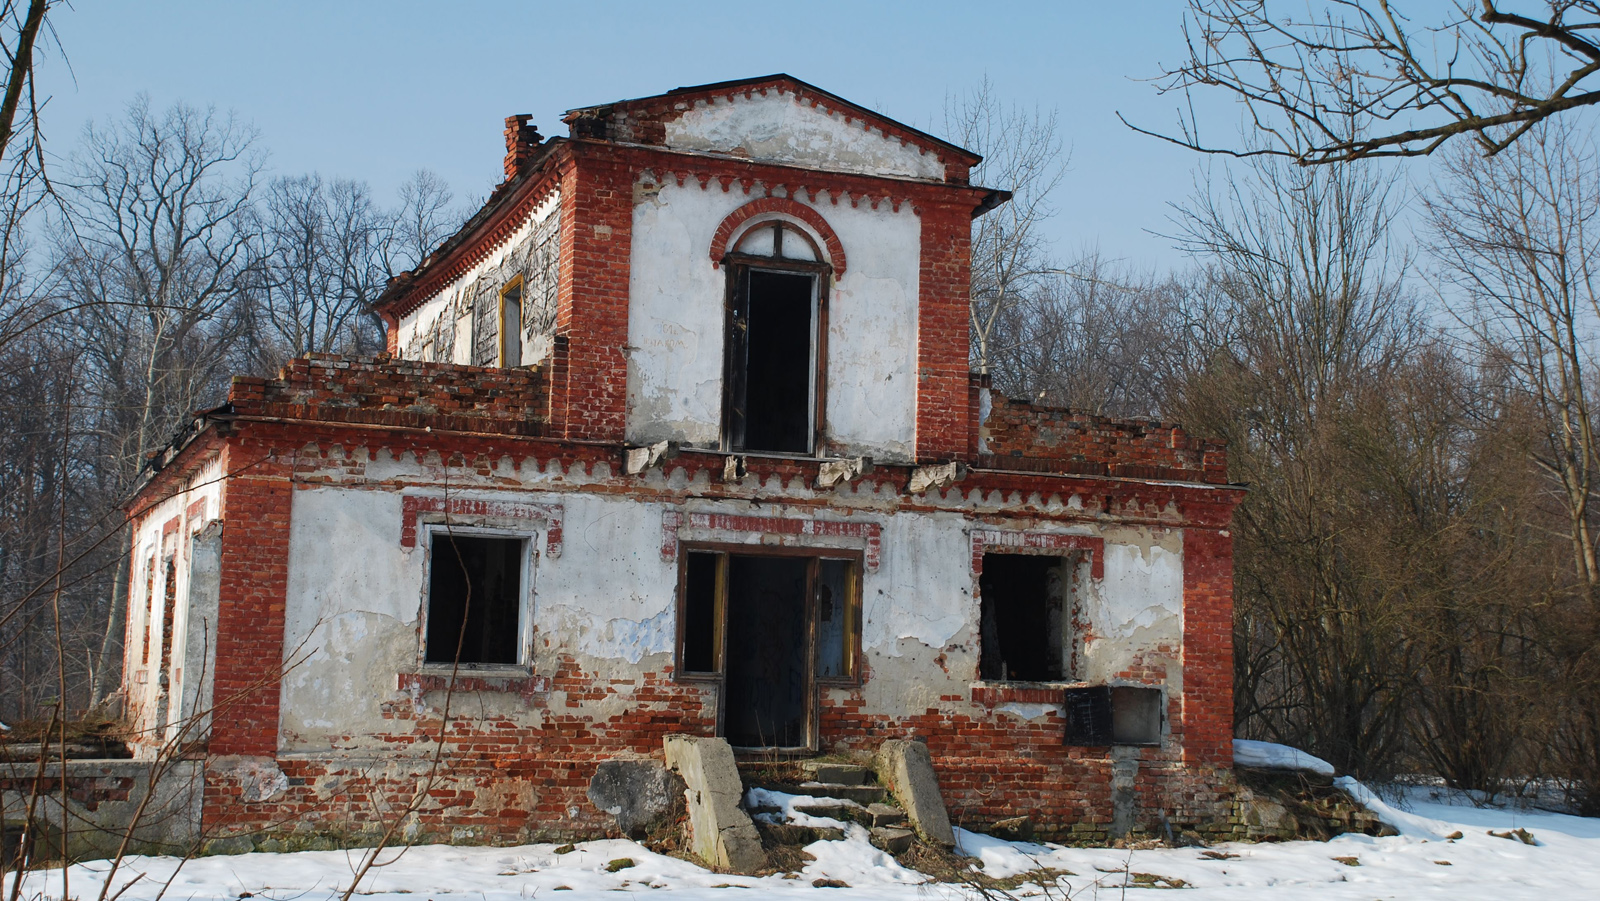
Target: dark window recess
1089 716
1135 716
702 619
1101 716
1021 604
474 599
511 327
771 371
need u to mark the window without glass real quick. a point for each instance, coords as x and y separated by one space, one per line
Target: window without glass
474 600
774 345
1025 614
769 628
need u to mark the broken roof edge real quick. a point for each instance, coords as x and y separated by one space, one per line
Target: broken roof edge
966 156
502 201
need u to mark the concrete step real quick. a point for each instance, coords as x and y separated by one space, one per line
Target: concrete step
791 834
838 773
883 815
861 794
842 812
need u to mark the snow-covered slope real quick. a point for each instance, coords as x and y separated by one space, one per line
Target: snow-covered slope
1422 862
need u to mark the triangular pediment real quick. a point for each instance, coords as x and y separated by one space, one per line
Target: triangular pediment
777 119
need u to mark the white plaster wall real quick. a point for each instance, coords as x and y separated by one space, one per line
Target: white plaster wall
141 680
609 600
676 314
1138 608
424 317
780 128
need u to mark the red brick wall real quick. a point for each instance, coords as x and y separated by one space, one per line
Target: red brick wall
506 779
943 331
250 616
1207 708
1020 435
592 302
384 391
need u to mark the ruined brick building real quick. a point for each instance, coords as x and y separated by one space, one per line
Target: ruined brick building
678 434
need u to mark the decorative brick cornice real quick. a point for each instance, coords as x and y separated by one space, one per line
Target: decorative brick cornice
671 521
996 540
411 506
779 206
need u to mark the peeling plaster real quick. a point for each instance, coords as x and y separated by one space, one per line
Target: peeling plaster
781 128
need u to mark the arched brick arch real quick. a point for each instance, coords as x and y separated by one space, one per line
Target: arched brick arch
783 205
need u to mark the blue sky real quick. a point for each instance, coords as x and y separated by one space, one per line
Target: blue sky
377 90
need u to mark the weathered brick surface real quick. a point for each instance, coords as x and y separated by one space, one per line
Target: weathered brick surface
390 392
943 330
1020 435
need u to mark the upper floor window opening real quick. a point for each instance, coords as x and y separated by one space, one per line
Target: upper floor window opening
775 341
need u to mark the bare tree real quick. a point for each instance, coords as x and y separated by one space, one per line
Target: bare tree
24 302
321 268
156 256
1514 234
425 217
1022 153
1300 71
1307 288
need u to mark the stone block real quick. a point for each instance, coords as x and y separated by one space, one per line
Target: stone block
641 794
907 768
895 841
885 815
720 832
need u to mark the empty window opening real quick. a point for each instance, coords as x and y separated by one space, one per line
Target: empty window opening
1024 618
772 362
769 628
149 610
780 241
704 581
836 619
169 603
511 325
474 600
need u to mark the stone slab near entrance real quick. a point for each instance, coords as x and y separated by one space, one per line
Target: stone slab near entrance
721 833
907 768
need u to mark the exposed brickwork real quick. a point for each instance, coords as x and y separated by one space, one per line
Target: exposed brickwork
389 392
1207 712
590 403
250 616
785 206
1020 435
943 330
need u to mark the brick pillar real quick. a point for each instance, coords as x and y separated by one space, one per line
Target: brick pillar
1207 647
590 400
943 399
250 615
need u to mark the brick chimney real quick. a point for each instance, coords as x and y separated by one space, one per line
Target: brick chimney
522 137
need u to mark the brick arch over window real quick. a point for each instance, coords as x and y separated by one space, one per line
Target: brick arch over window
782 206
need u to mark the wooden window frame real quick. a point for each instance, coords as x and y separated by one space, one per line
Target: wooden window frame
515 284
525 631
735 302
726 549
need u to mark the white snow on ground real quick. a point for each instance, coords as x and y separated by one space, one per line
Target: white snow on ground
1277 757
1422 862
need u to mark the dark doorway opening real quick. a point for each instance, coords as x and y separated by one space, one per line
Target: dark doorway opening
1022 628
767 702
772 365
474 599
